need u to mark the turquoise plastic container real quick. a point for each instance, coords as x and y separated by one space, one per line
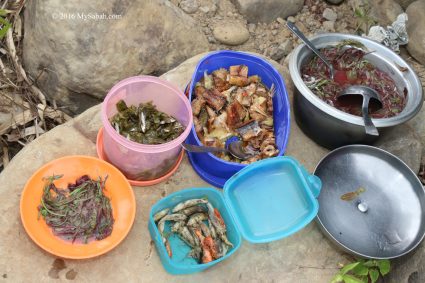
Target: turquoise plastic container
266 201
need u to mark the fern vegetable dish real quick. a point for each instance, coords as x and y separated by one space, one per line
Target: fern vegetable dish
352 68
81 212
145 124
231 103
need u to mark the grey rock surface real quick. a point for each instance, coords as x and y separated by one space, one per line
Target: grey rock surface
385 11
77 58
135 260
418 125
281 50
231 33
405 3
409 269
416 30
267 11
403 142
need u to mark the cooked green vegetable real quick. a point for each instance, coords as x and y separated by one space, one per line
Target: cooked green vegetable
145 124
80 212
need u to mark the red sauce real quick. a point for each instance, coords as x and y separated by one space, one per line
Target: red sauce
350 68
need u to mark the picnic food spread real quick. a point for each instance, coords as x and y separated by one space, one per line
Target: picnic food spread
231 103
80 212
351 68
227 101
145 124
199 225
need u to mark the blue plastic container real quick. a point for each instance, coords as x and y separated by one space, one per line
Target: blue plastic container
217 171
260 211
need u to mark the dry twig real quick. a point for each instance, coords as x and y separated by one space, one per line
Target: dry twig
31 113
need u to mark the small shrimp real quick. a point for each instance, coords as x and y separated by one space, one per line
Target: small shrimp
188 203
168 248
160 214
206 254
196 218
219 228
161 227
209 243
218 215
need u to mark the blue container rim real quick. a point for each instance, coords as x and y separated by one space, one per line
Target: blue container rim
257 60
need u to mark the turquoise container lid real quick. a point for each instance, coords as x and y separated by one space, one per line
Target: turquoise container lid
272 199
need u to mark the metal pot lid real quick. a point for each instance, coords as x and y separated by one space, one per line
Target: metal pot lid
371 203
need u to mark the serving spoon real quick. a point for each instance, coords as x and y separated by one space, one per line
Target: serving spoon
368 94
294 29
233 147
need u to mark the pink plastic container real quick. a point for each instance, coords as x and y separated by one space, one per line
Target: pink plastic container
141 161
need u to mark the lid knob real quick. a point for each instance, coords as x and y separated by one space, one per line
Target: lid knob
362 206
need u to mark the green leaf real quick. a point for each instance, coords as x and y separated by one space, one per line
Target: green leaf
360 270
365 279
384 266
374 274
4 12
371 263
348 267
337 278
358 12
4 26
351 279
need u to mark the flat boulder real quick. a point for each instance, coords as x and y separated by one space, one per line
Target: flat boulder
79 50
416 30
385 11
267 11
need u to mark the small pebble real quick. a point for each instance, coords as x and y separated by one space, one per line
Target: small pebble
274 32
211 39
189 6
204 9
280 20
251 28
330 15
282 50
231 33
329 25
291 19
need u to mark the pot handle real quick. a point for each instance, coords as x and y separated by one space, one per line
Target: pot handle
314 182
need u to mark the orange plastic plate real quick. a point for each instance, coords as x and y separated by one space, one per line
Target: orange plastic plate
118 190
